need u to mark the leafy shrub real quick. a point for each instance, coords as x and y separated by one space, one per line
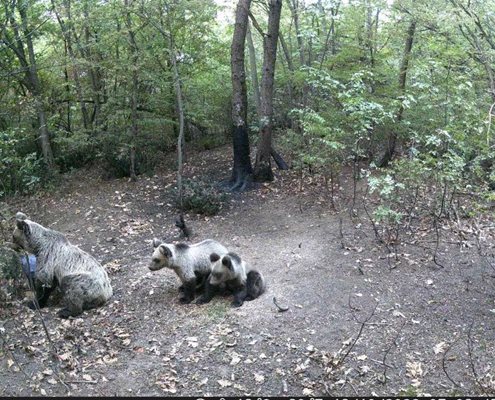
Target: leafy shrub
210 141
115 153
12 278
20 172
74 151
200 197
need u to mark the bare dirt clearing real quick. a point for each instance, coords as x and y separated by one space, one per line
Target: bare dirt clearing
429 330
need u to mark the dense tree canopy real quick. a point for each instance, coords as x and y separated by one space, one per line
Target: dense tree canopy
93 81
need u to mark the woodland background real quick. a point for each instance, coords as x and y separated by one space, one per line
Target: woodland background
93 82
374 226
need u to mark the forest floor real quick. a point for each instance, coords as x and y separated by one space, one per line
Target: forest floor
359 322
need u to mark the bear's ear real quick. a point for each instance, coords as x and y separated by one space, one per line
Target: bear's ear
165 251
214 257
156 242
20 220
227 262
20 216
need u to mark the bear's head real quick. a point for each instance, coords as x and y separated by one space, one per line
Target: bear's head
162 256
223 268
21 237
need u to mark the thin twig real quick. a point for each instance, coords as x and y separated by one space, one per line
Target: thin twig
437 244
384 362
361 328
341 233
380 362
471 360
444 366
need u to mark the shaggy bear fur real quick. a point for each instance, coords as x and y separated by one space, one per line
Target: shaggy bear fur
83 282
231 274
190 262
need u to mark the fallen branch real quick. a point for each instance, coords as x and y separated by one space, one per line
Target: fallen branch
471 360
361 328
384 360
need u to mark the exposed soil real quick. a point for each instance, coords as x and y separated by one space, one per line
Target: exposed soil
420 328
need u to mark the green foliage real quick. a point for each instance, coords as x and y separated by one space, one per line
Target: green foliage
11 273
390 193
342 129
201 197
12 278
318 146
410 391
209 141
73 151
336 87
11 268
20 172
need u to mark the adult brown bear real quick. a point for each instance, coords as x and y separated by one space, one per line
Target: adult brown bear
83 281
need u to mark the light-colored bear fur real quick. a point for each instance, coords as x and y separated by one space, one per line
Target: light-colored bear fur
82 279
191 263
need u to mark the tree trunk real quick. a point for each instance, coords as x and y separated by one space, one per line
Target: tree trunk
263 169
392 140
66 33
294 9
242 169
134 90
180 111
34 85
93 69
254 72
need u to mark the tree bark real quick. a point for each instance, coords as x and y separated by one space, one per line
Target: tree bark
242 169
392 140
32 81
294 9
134 90
66 33
180 111
94 70
263 169
254 71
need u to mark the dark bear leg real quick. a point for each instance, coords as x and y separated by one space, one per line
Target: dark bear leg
42 294
239 296
73 308
188 291
254 285
201 280
209 293
79 292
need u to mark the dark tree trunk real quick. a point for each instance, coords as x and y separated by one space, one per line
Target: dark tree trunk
392 139
31 80
94 58
134 91
242 169
180 110
263 169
